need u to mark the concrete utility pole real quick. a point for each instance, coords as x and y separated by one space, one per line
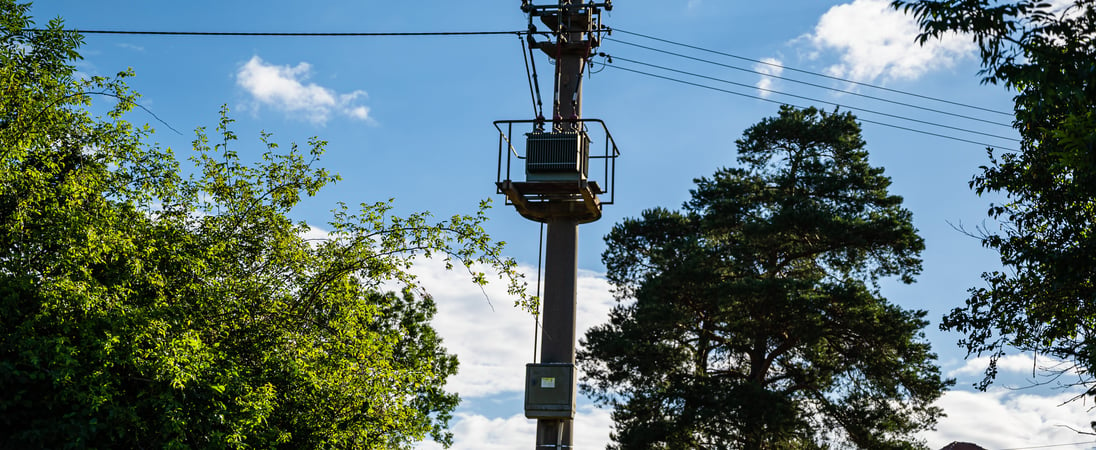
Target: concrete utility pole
561 256
572 51
559 192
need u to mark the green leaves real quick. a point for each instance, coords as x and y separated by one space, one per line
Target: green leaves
751 318
1043 302
143 308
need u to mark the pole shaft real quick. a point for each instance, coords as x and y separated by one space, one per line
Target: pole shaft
558 316
561 257
570 66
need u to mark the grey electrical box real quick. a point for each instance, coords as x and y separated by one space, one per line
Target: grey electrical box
550 391
557 156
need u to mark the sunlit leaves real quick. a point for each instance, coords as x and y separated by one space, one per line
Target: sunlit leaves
1045 299
148 303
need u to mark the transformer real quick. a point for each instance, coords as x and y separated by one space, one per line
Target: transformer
557 156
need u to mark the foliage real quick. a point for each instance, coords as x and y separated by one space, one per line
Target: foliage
752 319
1045 302
144 308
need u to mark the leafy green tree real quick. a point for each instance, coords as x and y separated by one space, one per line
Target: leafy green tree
752 319
144 308
1045 300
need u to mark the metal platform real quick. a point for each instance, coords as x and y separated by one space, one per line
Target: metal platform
543 201
571 194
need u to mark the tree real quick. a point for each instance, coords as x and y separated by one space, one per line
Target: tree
1045 300
752 319
144 308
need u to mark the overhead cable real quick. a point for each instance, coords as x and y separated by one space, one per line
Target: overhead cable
858 83
778 77
894 116
291 34
528 76
899 127
527 32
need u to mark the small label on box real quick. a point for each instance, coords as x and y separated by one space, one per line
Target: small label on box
548 383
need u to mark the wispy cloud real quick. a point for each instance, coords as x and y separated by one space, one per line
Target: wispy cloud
995 419
136 48
876 42
494 341
1009 419
478 432
768 67
284 88
1024 365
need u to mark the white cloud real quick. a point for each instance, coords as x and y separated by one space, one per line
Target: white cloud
477 432
875 41
1018 364
315 234
136 48
358 112
471 431
494 341
493 346
768 66
1007 419
284 89
995 419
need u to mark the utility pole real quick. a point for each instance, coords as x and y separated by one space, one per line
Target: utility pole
561 256
560 193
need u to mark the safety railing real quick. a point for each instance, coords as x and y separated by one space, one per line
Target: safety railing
564 153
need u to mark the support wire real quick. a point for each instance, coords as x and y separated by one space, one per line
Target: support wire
536 80
536 317
528 74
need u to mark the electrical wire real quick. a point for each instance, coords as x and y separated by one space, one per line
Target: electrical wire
815 85
899 127
288 34
529 32
559 75
858 83
536 79
532 32
528 74
893 116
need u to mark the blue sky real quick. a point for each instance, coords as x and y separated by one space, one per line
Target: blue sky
409 118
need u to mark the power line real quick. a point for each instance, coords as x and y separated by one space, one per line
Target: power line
858 83
290 34
815 85
894 116
526 32
899 127
532 95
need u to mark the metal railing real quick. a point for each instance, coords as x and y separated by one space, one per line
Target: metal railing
518 160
